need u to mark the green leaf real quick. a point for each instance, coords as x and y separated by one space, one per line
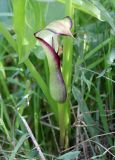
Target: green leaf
104 14
33 154
111 57
26 21
7 35
69 156
95 9
38 51
88 7
19 24
19 144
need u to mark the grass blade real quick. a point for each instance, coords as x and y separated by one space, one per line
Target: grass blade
19 144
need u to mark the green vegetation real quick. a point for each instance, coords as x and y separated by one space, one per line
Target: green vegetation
32 124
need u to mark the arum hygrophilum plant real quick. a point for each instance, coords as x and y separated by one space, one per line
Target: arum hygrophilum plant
49 40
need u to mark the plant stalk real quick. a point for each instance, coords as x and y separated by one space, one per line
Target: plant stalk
64 109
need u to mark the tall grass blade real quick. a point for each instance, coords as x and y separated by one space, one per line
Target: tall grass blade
84 109
7 35
19 144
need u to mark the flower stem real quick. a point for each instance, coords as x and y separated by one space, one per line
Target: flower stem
64 109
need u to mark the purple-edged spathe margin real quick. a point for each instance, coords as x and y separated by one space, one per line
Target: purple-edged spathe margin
48 39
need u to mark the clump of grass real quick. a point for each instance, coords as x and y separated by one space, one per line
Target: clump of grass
85 122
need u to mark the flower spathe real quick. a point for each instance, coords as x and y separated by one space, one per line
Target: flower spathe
48 39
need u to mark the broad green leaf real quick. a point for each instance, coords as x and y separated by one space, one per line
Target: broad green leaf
111 57
26 22
32 21
19 24
57 8
88 7
69 156
104 14
38 51
95 9
33 154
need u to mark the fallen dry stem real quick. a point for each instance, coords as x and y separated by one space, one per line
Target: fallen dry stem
33 139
